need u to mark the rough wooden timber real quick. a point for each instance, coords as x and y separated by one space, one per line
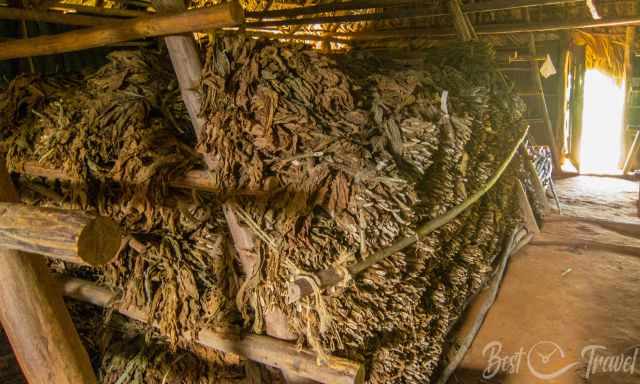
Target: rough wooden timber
225 15
198 180
100 10
35 318
7 13
263 349
73 236
537 80
188 68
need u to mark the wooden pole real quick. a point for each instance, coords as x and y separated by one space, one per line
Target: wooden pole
561 90
187 65
630 36
225 15
485 6
262 349
537 81
35 318
481 30
118 12
72 236
53 17
633 152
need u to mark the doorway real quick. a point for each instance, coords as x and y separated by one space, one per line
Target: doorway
602 124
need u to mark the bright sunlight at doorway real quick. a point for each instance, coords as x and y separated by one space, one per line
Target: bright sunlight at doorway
602 124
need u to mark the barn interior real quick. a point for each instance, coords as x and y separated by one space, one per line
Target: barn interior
289 191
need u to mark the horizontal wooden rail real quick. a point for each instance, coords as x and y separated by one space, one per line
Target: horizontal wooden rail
53 17
262 349
72 236
118 12
197 180
225 15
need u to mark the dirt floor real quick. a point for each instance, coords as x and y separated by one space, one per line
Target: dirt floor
568 310
607 198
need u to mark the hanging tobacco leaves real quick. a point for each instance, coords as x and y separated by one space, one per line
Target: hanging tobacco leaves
355 150
364 150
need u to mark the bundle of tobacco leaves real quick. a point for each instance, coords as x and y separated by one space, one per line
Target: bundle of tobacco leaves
120 354
127 122
364 150
356 151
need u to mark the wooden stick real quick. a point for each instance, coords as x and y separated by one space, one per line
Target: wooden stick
225 15
475 315
633 152
262 349
53 17
537 80
485 6
300 288
561 89
187 65
100 10
198 180
35 318
72 236
484 30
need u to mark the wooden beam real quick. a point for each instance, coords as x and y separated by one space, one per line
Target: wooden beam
72 236
262 349
481 30
118 12
187 65
484 6
53 17
633 152
461 22
35 318
197 180
561 90
537 81
225 15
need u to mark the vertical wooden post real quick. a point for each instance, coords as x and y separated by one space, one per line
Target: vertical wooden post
537 81
35 318
561 90
630 36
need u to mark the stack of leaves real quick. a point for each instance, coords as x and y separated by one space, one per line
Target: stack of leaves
363 151
127 122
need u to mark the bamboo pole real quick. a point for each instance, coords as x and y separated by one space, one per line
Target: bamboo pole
300 287
7 13
225 15
262 349
72 236
35 318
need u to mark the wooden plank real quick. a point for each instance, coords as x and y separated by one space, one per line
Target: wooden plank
225 15
262 349
35 318
72 236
